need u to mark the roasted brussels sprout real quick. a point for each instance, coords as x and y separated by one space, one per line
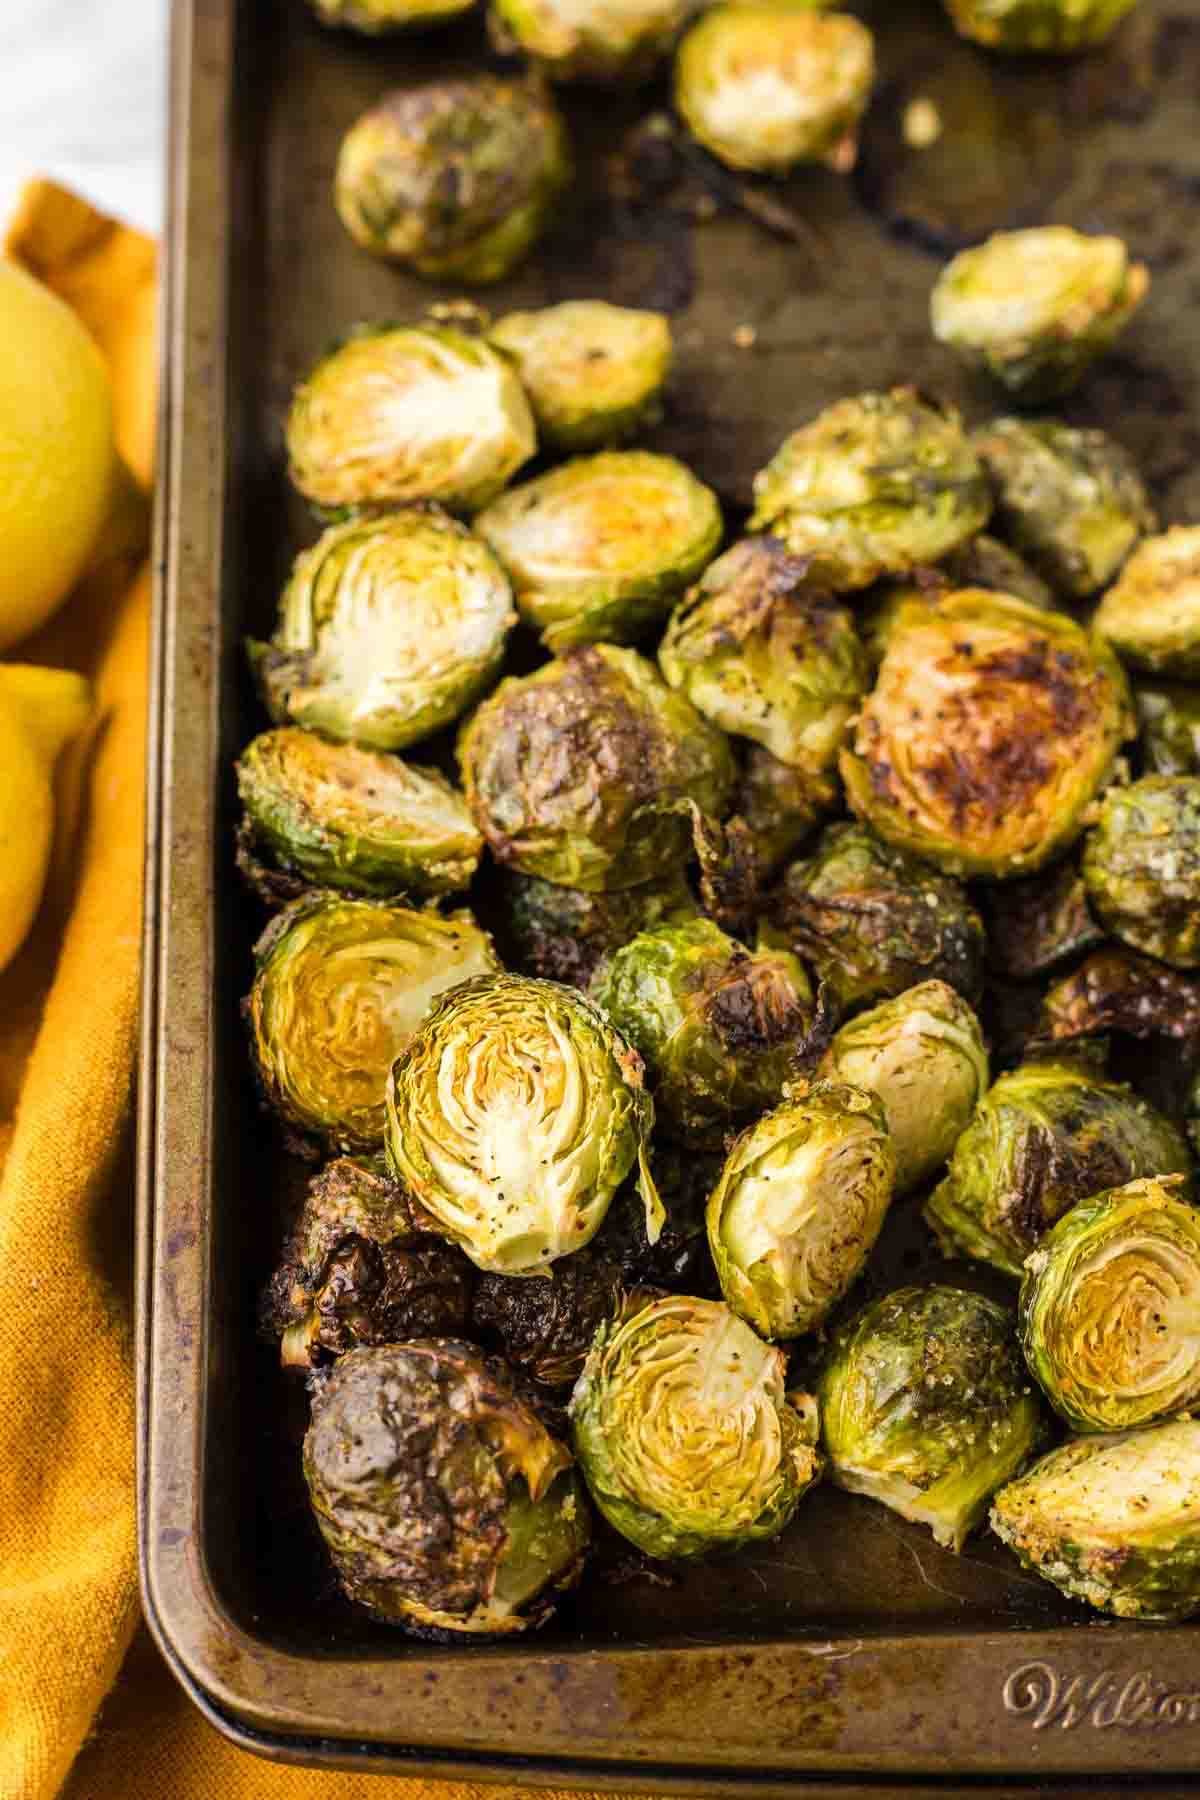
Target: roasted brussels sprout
597 549
1039 922
408 412
1141 864
923 1055
718 1026
593 372
332 815
780 806
545 1323
683 1430
375 17
1108 1307
1113 1520
361 1267
873 486
1152 615
926 1406
990 731
767 84
565 934
799 1205
1116 990
340 987
1070 500
602 41
1037 25
1169 723
513 1115
444 1501
765 658
1045 1136
874 921
585 772
456 178
389 628
1036 308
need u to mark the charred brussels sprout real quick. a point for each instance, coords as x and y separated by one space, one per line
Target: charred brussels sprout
585 772
361 1267
593 372
565 934
332 815
989 733
1119 991
614 41
1141 863
1036 308
408 412
874 486
799 1205
388 629
455 178
375 17
684 1433
765 84
1039 922
1070 500
779 805
923 1055
1037 25
926 1406
717 1026
545 1323
1169 723
1113 1520
874 921
597 549
1045 1136
766 659
1108 1308
340 987
1152 616
678 1259
445 1503
513 1115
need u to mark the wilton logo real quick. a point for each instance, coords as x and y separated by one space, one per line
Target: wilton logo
1038 1692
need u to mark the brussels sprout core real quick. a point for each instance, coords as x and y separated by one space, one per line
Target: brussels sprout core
1141 864
1037 25
684 1433
1152 616
593 372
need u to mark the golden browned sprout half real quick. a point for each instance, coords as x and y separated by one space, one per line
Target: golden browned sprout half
1151 616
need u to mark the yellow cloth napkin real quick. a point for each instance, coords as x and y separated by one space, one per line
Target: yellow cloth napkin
68 1025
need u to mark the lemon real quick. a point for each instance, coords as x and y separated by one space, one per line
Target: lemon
57 460
41 710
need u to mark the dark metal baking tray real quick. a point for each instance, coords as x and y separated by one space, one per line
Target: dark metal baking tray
852 1649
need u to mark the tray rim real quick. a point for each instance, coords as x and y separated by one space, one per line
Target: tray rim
237 1680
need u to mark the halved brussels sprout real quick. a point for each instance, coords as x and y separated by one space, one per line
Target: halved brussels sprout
874 921
1072 501
565 934
1036 308
1045 1136
332 815
456 178
586 772
717 1026
923 1055
1113 1520
1039 922
375 17
620 41
390 627
362 1267
514 1114
408 412
340 987
1119 991
990 731
1141 864
780 806
873 486
766 658
1108 1308
445 1503
766 84
598 549
593 372
800 1202
683 1430
1169 723
927 1407
1037 25
1151 616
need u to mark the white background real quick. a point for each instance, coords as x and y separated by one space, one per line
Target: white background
82 99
